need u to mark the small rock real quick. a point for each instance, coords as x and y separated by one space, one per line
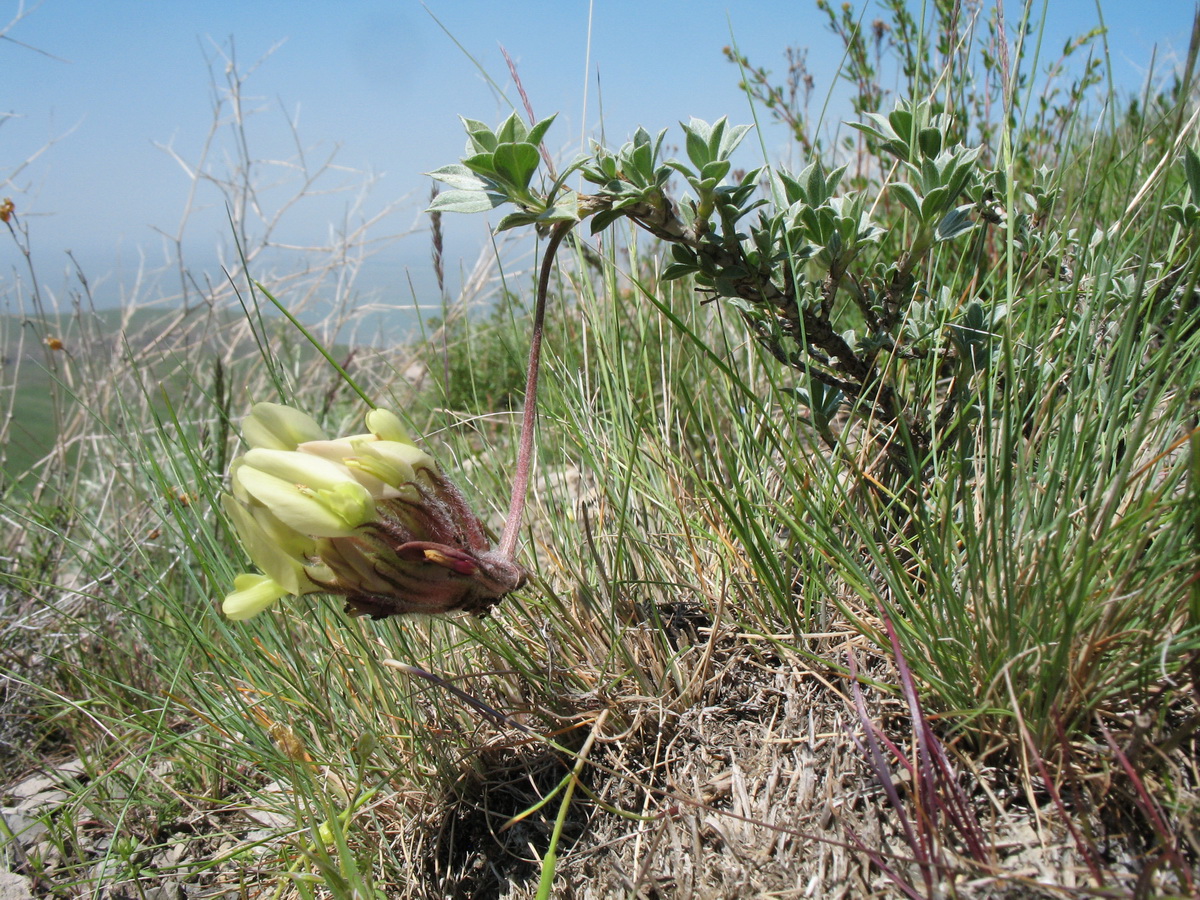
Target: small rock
170 857
267 818
45 781
168 890
23 823
261 841
14 887
42 799
70 769
31 786
108 870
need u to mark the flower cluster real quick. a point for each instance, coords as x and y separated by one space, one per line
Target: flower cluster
369 517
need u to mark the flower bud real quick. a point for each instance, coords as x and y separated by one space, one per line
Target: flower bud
277 427
386 425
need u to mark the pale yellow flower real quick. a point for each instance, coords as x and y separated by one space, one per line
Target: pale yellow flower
368 516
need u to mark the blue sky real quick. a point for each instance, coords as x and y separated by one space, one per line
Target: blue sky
107 80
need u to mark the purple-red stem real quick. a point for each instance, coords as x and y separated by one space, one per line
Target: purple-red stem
934 765
462 695
1153 811
1085 848
516 506
880 766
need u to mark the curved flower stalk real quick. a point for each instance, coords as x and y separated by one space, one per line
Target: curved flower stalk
369 517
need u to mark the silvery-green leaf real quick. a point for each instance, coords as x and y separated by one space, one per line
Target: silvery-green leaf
538 131
956 222
516 220
907 196
516 163
466 201
731 138
457 176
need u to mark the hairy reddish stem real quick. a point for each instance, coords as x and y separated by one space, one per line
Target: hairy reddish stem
516 506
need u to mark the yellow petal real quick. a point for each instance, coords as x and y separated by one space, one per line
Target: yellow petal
278 427
386 425
251 595
392 464
404 457
312 495
275 548
346 451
